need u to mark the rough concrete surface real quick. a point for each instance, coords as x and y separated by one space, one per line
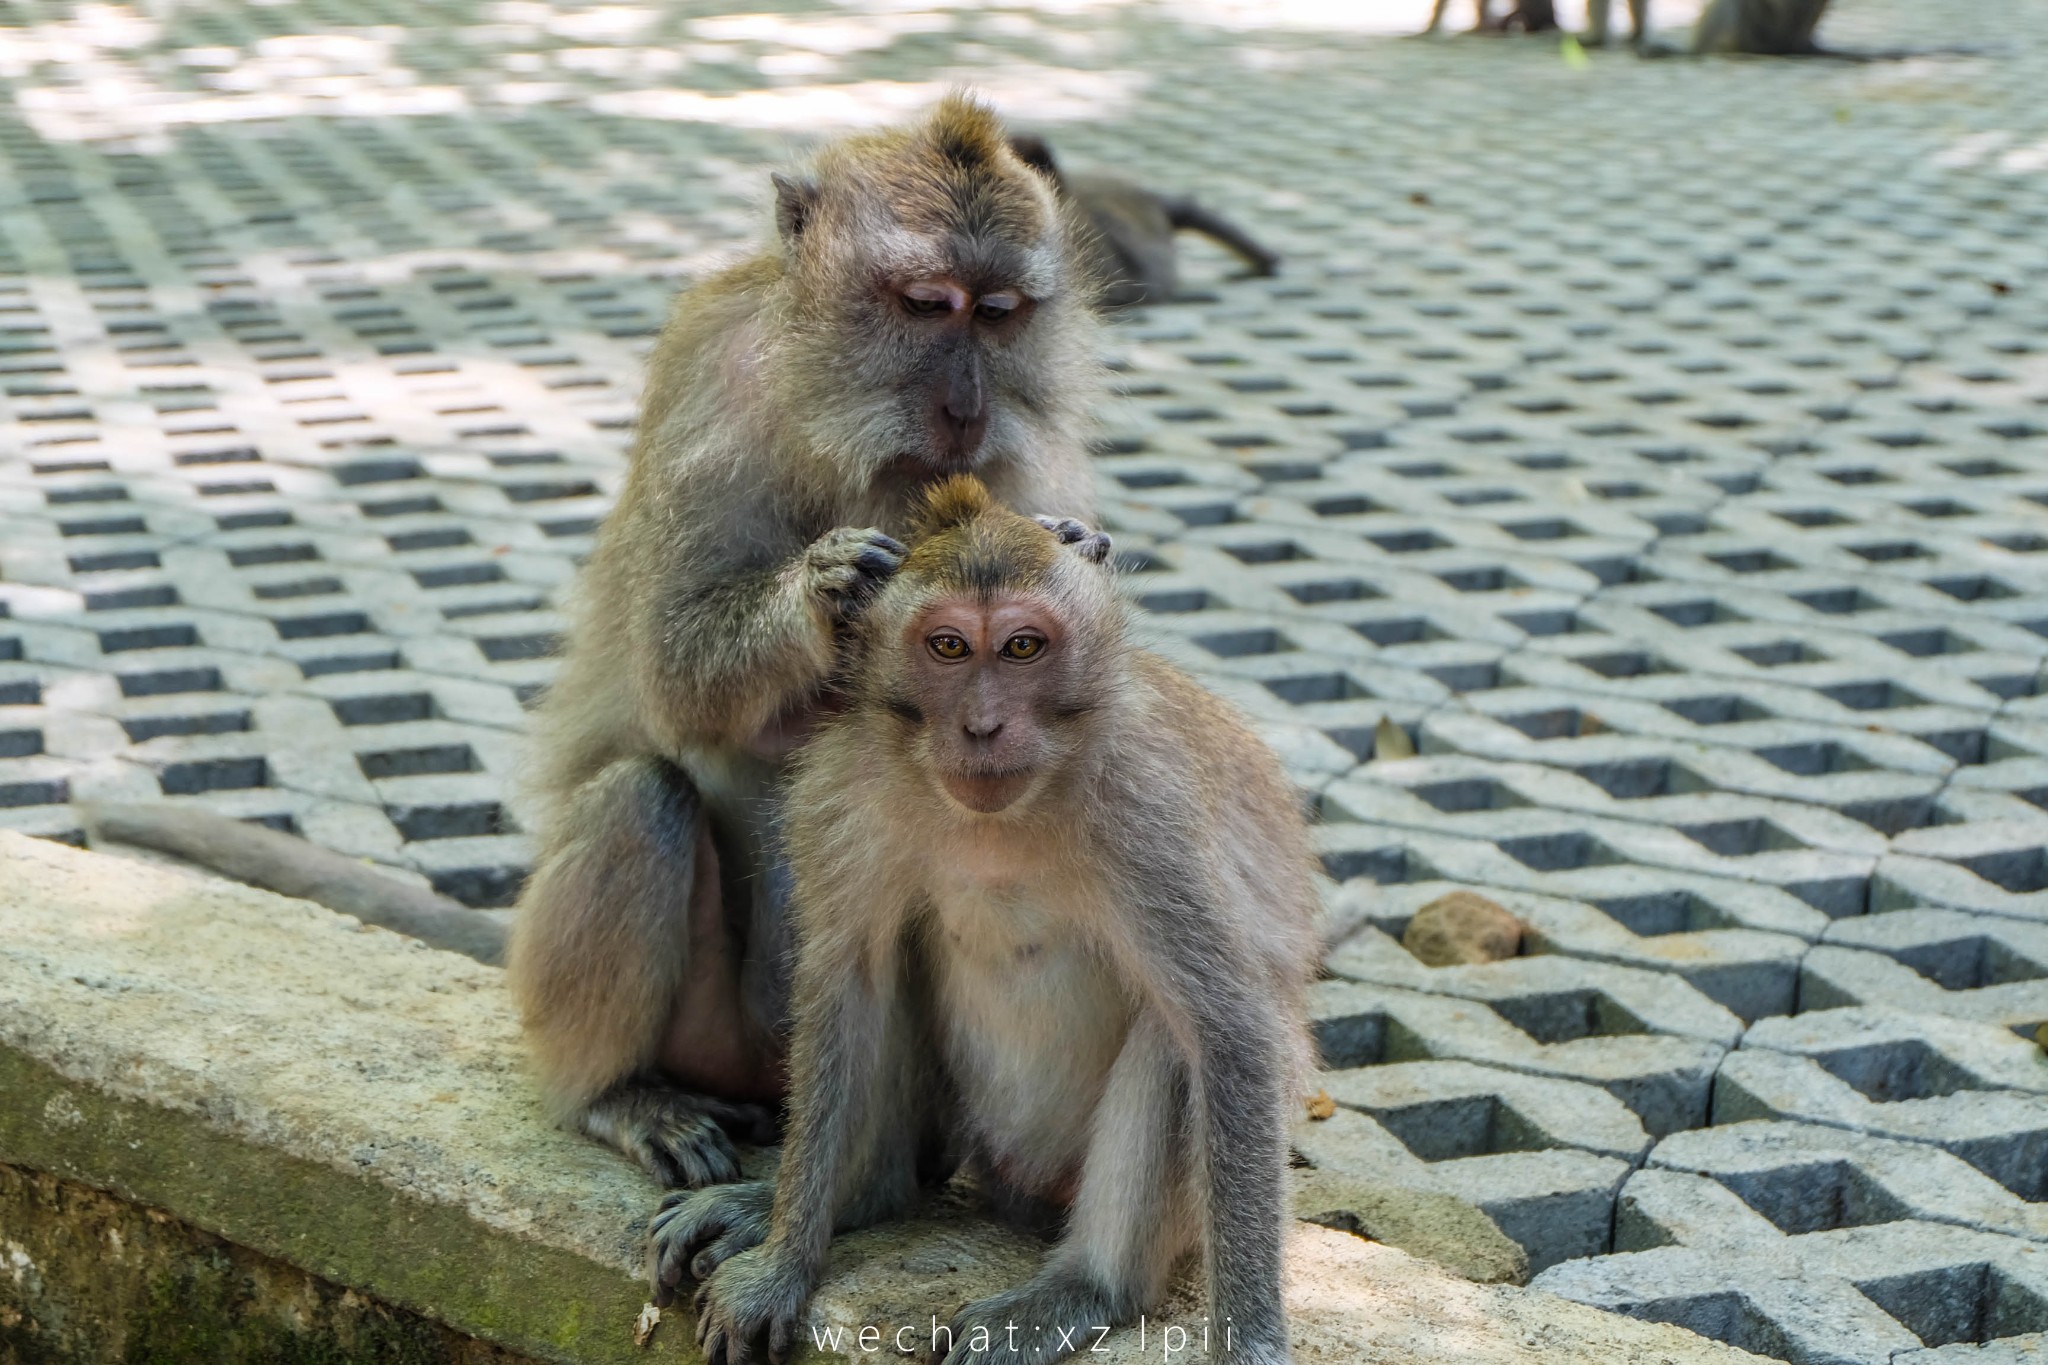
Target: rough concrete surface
353 1104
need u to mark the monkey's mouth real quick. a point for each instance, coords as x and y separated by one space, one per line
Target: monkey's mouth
987 793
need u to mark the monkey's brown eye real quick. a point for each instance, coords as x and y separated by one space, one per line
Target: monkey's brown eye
995 307
1023 649
947 646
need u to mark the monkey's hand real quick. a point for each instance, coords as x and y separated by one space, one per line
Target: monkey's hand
696 1231
758 1293
844 568
1087 542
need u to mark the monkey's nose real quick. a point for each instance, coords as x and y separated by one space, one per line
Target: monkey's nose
982 731
963 434
963 412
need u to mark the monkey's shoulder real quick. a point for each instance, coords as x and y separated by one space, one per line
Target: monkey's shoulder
1179 703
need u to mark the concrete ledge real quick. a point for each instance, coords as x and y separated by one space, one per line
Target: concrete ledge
353 1105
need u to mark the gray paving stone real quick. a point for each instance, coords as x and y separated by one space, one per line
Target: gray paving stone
1801 1178
1855 1295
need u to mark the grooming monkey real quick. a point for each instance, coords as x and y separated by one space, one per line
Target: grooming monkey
1054 911
920 313
1131 247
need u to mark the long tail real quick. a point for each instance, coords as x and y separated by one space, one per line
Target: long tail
293 867
1186 213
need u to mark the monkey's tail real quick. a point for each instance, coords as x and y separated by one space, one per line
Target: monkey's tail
293 867
1186 213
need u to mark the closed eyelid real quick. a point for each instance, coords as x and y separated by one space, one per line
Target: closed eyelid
936 291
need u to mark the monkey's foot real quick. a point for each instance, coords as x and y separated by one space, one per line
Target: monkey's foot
757 1294
695 1232
1047 1318
1087 542
679 1137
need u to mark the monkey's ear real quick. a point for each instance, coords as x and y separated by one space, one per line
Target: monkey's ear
1032 150
795 198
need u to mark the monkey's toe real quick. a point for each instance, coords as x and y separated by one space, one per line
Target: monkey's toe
755 1297
695 1232
755 1123
686 1149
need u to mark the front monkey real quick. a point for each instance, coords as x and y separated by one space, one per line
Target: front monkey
920 314
1054 909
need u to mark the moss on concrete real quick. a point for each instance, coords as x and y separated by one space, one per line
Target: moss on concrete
87 1279
425 1258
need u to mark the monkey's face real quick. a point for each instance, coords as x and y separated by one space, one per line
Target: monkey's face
955 331
939 317
991 691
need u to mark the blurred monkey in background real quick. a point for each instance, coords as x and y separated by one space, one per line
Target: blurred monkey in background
1131 248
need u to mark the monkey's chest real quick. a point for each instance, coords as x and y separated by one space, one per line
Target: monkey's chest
1032 1021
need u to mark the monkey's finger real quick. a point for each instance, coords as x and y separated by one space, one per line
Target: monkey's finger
699 1152
717 1253
753 1121
688 1227
660 1262
1065 529
669 1226
781 1336
658 1164
1095 548
668 1262
878 562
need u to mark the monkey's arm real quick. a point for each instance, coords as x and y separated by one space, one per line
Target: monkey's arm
735 639
1186 213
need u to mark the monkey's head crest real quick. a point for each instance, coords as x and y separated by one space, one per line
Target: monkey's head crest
962 539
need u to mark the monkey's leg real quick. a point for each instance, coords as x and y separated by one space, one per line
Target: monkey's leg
851 1147
1186 213
1131 1221
1436 15
602 954
695 1232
